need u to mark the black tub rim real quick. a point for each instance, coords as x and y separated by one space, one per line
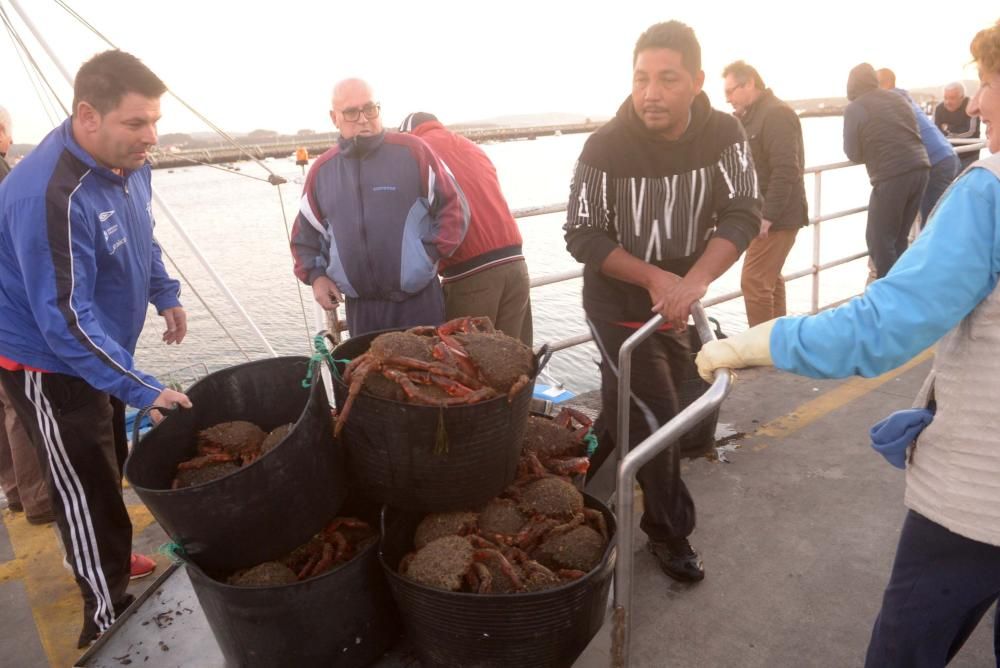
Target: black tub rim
159 491
607 561
190 561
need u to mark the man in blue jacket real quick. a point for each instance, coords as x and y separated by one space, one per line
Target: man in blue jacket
881 132
378 212
943 159
78 269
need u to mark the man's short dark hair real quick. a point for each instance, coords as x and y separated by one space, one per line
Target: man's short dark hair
744 73
109 76
672 35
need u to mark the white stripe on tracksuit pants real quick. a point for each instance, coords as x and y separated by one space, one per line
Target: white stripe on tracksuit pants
75 427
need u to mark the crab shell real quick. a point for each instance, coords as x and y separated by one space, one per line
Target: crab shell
442 563
438 525
552 497
580 548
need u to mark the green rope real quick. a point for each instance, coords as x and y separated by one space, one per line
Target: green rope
172 551
322 354
591 440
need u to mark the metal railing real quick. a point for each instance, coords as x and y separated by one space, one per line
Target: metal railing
814 270
630 461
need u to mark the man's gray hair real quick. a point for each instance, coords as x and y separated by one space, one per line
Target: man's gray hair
956 85
5 120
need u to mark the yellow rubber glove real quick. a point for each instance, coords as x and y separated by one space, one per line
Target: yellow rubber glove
749 348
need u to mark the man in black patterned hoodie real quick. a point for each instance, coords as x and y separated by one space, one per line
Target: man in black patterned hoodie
664 199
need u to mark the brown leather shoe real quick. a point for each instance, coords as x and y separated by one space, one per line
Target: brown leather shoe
47 517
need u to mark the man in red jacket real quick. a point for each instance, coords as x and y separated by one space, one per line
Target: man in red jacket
487 275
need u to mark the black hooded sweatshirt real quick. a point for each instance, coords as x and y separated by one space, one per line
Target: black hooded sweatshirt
660 200
880 129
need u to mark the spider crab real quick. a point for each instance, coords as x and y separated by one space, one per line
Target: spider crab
538 535
556 445
463 361
337 543
224 448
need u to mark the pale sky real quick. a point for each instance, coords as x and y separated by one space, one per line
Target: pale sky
250 65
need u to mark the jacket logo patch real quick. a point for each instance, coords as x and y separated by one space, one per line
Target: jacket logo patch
103 216
377 189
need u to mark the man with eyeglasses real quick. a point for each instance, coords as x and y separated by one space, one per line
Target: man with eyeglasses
775 136
378 212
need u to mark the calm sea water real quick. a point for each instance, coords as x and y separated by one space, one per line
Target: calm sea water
237 224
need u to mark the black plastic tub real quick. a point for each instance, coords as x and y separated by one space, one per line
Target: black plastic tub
267 508
343 618
395 451
538 629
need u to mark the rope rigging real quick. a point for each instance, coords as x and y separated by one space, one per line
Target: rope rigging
32 67
273 178
20 46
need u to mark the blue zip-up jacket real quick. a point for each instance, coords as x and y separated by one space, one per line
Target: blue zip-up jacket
951 267
377 214
938 147
79 267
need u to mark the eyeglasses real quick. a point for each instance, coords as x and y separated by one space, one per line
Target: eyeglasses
370 111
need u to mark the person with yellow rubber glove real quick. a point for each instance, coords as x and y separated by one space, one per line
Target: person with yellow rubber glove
944 289
749 348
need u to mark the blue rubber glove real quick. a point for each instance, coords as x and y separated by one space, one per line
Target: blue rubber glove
893 435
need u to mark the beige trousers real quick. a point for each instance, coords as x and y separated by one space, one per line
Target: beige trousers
763 287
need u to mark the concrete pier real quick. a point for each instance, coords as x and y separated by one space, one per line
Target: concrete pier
318 144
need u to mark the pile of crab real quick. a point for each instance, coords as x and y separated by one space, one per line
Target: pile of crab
337 543
224 448
556 445
463 361
536 535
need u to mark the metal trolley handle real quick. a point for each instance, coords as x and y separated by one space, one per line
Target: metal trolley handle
629 463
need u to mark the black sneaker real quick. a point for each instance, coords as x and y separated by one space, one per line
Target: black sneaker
678 559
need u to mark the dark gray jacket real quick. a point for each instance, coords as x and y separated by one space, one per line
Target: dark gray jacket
4 168
880 129
775 136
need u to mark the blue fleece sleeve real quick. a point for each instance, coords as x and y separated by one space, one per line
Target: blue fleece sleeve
952 266
58 262
164 292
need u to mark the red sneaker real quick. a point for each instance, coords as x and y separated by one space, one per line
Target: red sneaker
140 566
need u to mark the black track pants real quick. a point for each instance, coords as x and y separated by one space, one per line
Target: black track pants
79 433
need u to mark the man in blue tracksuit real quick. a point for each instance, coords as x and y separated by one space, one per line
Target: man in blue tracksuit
78 269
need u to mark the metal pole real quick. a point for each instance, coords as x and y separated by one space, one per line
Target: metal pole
817 203
629 464
625 380
156 197
625 496
31 26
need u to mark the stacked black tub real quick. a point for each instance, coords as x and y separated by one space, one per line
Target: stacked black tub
261 512
419 459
